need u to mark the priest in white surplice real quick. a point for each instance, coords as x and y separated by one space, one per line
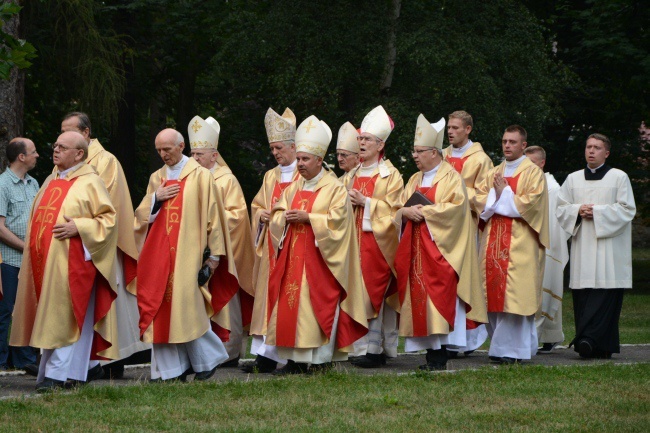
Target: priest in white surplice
596 206
549 317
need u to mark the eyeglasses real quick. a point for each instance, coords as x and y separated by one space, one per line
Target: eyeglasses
361 139
419 152
344 155
62 148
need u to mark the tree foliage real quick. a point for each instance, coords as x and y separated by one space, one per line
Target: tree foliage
14 52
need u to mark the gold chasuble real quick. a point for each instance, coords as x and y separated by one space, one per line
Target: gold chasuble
110 170
173 308
378 247
266 198
513 250
432 273
317 270
473 166
55 281
235 271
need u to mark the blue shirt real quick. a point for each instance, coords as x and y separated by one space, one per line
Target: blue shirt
16 197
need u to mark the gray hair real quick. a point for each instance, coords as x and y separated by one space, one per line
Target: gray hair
179 139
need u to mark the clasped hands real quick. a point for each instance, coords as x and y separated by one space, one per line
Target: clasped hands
413 213
499 184
586 211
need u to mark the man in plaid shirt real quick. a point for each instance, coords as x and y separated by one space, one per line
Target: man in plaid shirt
17 191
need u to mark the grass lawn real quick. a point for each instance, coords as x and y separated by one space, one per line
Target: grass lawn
559 399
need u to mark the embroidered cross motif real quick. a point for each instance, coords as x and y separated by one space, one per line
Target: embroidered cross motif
196 126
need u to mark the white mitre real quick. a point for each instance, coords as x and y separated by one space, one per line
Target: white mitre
215 125
378 123
280 128
313 136
202 135
347 138
429 134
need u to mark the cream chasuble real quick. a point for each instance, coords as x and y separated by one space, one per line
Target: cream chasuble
473 166
197 226
512 252
333 233
601 248
265 199
49 321
450 224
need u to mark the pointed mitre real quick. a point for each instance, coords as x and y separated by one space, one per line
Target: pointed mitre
378 123
280 128
429 134
215 125
202 135
313 136
347 138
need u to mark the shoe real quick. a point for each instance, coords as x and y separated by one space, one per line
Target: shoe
468 353
205 375
321 368
495 358
31 369
291 368
230 364
585 348
506 360
181 378
113 371
452 354
49 385
95 373
547 347
262 364
370 360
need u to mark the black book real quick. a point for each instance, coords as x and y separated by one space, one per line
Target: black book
417 198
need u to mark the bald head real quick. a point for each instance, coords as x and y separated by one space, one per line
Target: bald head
70 149
169 145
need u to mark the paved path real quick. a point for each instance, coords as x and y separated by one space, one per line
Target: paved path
16 383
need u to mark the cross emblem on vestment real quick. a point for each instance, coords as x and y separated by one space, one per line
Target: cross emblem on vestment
309 126
196 126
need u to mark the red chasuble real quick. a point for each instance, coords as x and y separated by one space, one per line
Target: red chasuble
498 257
82 274
374 268
156 267
299 255
420 263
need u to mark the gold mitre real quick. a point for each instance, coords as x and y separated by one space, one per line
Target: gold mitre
202 135
429 134
280 128
347 139
378 123
213 122
313 136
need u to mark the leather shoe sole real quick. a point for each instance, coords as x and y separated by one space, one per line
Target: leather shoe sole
205 375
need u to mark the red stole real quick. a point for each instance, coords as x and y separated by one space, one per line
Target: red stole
497 256
82 274
457 163
374 268
223 286
156 267
421 264
299 255
278 189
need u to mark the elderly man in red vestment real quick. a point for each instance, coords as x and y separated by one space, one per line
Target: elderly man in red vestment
67 279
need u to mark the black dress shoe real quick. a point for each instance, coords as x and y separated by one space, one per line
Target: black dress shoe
506 360
205 375
230 364
291 368
262 364
452 354
113 371
585 348
547 347
181 378
95 373
495 358
48 385
31 369
468 353
370 360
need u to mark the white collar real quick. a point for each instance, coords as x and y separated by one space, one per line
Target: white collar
289 168
65 172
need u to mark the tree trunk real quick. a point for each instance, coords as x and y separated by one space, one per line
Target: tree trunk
12 93
391 55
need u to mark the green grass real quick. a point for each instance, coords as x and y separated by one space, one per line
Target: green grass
559 399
